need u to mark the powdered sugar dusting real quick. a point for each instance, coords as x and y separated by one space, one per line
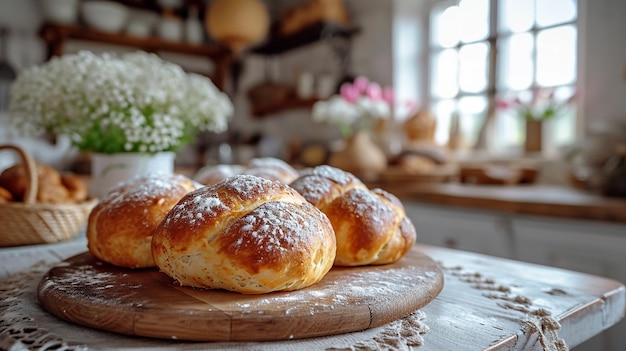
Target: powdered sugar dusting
354 287
273 227
248 186
141 188
337 175
317 183
314 189
90 282
197 207
367 205
209 202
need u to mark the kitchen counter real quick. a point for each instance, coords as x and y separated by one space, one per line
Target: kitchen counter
542 200
487 303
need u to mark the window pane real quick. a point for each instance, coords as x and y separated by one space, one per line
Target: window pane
551 12
443 111
515 70
474 20
472 112
473 62
445 27
516 15
444 74
562 129
509 130
556 56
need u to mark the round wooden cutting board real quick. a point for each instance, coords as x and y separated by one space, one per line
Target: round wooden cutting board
148 303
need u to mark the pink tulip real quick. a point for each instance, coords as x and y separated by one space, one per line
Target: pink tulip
503 104
361 83
374 91
388 95
349 93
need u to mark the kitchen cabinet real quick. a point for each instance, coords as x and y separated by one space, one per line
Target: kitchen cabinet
588 246
462 229
56 35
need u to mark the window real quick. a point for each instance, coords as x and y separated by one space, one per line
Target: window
484 50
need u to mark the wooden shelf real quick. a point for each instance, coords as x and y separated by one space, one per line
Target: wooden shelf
278 44
287 104
56 35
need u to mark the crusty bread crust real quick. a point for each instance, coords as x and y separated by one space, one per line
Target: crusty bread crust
370 225
245 234
120 227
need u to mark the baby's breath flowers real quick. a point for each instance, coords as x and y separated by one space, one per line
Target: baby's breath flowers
112 103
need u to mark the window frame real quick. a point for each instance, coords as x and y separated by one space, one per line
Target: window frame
485 139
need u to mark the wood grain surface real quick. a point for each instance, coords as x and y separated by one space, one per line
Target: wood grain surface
148 303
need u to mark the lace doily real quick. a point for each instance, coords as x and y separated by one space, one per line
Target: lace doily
24 325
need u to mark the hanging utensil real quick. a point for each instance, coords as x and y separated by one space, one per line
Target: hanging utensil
7 73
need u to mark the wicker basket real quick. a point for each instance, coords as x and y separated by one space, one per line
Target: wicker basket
28 222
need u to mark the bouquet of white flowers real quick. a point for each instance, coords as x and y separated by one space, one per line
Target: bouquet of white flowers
108 103
357 107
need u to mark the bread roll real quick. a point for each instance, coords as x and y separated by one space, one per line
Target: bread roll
76 187
121 225
246 234
51 189
5 196
272 168
265 167
371 226
214 174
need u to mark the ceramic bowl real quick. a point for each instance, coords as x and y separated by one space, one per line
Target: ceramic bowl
103 15
141 23
59 11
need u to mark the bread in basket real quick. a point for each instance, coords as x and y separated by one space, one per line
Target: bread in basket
29 222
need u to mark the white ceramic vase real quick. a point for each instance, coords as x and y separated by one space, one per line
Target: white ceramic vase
109 170
360 156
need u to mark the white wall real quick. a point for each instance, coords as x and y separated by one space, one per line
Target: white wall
372 56
602 58
389 50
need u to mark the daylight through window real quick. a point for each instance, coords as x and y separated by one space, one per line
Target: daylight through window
485 54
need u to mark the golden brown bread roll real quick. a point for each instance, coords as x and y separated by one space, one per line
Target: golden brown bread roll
53 194
120 227
51 189
272 168
214 174
76 187
5 196
370 225
246 234
265 167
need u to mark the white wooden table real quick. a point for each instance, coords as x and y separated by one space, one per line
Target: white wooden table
487 303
